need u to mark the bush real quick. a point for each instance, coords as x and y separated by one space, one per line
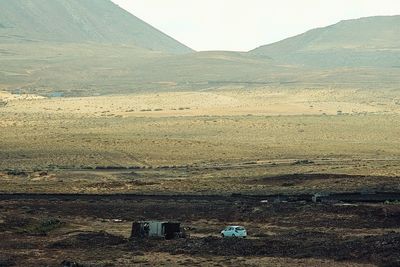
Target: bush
42 227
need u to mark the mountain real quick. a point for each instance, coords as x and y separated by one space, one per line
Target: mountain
371 41
92 47
79 21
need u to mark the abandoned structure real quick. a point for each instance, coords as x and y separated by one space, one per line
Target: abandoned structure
157 229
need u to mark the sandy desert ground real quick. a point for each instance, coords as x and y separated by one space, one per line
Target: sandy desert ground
263 101
210 137
221 142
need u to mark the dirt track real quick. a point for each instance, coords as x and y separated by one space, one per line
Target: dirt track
333 197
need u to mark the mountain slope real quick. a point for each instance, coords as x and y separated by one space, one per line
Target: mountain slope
79 21
359 42
79 48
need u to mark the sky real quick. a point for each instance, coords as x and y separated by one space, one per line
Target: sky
242 25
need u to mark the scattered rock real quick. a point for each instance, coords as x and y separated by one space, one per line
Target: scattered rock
7 261
88 240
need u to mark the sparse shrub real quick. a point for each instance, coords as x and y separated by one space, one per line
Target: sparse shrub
42 227
16 172
111 168
388 202
86 167
303 162
288 184
135 168
48 225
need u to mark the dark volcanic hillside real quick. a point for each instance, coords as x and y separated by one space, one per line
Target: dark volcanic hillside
79 21
372 41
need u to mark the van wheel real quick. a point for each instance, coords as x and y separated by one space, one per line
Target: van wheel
222 235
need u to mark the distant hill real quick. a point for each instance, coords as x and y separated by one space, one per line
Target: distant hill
93 47
79 21
371 41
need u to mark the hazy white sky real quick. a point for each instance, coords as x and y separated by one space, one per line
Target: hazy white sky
246 24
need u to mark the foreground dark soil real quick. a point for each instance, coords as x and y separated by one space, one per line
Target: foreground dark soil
46 230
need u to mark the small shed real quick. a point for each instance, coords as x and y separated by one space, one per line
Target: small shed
154 229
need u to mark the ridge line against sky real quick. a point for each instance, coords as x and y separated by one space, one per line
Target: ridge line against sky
243 25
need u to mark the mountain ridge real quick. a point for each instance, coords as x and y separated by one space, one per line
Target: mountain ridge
364 41
316 33
80 21
98 60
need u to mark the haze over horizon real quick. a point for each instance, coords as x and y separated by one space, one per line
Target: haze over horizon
245 25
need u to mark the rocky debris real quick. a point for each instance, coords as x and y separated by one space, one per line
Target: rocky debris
382 250
7 261
15 223
43 173
89 240
339 235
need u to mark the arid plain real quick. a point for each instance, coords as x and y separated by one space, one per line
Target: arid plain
241 134
220 142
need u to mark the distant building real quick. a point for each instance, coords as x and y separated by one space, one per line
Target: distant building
157 229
